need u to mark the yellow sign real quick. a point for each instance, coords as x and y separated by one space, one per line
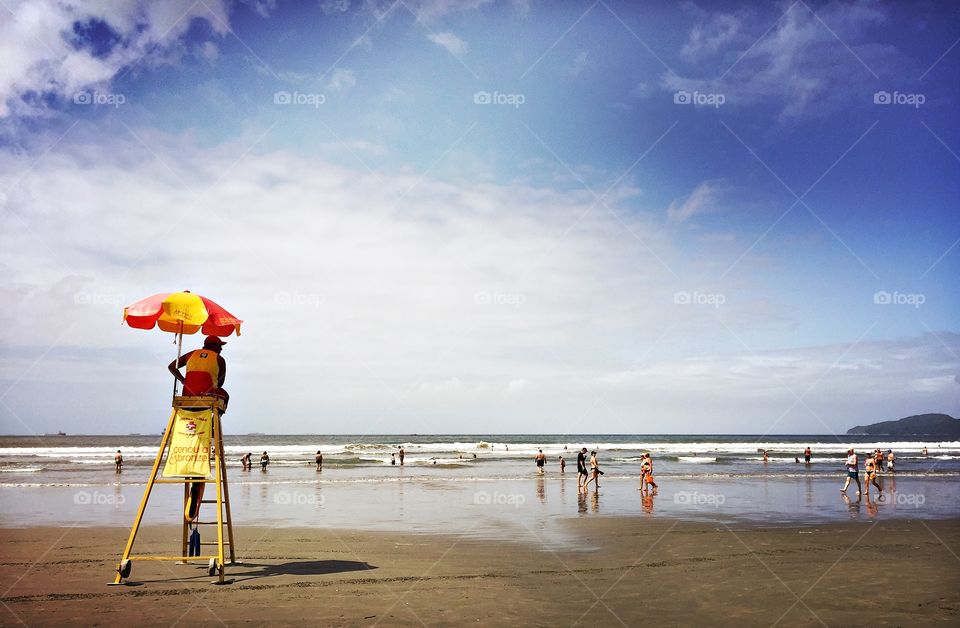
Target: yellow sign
189 454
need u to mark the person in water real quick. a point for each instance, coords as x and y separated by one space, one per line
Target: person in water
563 464
118 461
870 474
264 461
206 371
807 453
541 461
582 469
319 460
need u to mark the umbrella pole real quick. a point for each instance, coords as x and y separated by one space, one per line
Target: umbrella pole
179 350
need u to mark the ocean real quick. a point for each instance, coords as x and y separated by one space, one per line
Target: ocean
478 483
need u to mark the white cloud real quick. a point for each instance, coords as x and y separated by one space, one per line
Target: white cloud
795 64
341 80
700 200
38 58
450 41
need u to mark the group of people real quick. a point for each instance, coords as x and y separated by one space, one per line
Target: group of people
873 464
246 461
586 475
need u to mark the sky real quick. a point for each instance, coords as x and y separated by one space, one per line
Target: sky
469 216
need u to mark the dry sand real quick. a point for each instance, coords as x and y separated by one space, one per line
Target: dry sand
656 571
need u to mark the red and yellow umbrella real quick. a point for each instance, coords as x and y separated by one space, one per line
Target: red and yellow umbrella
181 313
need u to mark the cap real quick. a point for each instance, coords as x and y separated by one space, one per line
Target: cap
213 340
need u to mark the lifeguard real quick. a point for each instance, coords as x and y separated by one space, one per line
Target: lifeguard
206 370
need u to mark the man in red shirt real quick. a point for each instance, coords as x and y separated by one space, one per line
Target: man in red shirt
206 371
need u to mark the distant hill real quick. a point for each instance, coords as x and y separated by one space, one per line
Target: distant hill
939 425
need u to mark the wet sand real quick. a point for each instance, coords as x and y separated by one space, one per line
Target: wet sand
620 570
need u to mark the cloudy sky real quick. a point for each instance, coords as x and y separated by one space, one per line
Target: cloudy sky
475 216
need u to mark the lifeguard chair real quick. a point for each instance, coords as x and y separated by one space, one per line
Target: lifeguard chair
191 416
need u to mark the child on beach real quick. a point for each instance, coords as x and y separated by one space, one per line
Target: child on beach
853 472
890 460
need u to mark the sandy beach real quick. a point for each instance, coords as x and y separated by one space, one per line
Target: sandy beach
620 570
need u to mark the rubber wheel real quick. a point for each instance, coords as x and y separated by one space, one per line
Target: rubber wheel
212 567
125 567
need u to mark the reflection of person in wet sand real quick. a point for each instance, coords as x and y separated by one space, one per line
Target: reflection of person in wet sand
646 499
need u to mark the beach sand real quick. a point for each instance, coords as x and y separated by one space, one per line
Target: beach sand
619 570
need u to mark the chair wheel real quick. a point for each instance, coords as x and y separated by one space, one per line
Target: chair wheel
212 567
126 566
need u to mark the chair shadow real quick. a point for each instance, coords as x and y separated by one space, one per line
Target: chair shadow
256 571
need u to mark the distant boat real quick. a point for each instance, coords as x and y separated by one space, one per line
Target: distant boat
57 434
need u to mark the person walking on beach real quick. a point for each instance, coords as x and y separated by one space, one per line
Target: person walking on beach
806 454
891 459
594 472
319 460
206 371
582 469
853 472
646 473
541 461
563 464
401 456
870 474
878 459
264 461
118 461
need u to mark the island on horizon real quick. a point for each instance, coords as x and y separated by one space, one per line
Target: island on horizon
931 424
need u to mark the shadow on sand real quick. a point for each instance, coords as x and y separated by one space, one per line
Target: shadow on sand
249 570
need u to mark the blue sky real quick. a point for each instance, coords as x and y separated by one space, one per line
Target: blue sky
588 251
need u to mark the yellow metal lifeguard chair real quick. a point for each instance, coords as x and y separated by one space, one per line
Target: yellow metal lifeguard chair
188 412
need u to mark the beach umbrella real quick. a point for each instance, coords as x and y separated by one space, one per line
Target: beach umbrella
181 313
